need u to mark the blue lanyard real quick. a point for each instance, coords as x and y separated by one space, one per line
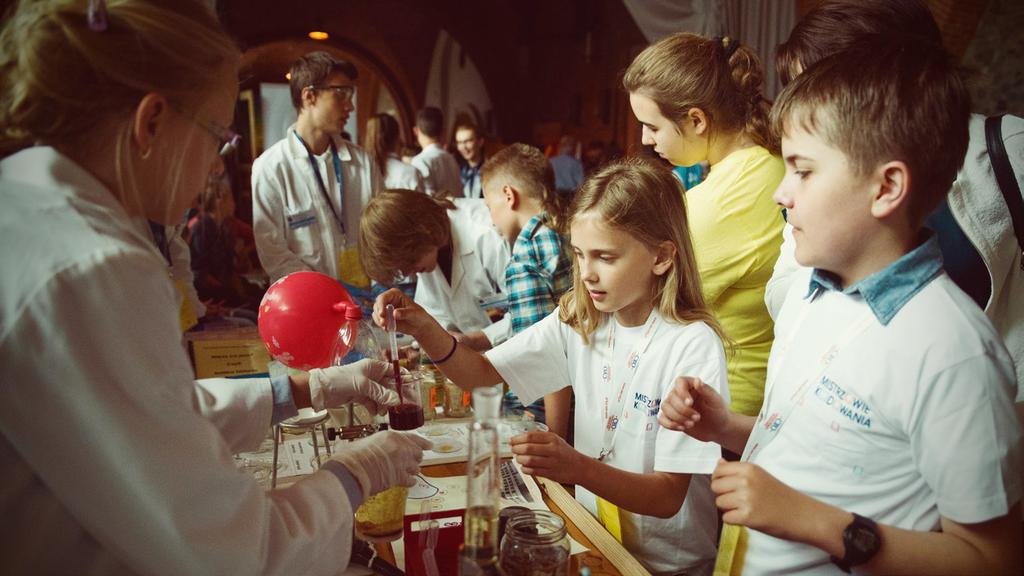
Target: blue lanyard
320 180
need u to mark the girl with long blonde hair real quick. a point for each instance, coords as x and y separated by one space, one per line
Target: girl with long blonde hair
633 320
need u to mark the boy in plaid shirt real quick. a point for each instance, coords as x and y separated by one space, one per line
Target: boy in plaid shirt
519 190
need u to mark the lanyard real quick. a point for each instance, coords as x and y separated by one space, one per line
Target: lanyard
320 180
613 407
766 428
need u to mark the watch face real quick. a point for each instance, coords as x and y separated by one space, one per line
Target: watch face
863 538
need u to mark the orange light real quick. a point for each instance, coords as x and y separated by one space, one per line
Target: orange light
287 75
319 35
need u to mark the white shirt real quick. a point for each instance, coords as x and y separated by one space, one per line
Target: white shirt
402 176
550 355
910 421
479 258
440 171
114 460
294 226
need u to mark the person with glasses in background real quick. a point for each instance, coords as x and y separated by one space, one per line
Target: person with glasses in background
309 188
114 459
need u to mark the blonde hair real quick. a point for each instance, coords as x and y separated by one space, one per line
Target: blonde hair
646 202
529 171
395 228
63 81
719 76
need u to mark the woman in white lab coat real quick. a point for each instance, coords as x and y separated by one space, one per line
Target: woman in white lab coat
114 460
459 263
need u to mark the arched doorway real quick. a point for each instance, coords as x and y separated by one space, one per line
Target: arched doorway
265 107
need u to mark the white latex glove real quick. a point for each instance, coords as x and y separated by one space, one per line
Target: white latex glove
385 459
357 382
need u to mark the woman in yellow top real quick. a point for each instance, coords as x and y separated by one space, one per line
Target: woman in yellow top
700 100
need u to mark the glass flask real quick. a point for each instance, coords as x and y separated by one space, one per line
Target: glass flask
479 552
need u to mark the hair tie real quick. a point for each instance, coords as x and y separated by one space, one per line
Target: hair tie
97 15
728 46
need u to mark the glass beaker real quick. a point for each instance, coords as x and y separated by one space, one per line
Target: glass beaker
408 414
535 544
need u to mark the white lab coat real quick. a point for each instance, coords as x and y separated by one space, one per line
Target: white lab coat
402 176
294 226
440 171
479 259
114 460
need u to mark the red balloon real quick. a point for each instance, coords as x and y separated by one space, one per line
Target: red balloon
307 320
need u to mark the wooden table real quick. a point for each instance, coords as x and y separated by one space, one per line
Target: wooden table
592 558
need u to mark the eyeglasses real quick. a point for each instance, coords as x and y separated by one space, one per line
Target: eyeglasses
343 92
228 141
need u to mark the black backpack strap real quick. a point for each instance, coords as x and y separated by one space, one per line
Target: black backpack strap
1005 177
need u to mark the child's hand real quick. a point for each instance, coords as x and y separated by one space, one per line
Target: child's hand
749 496
409 316
547 455
693 407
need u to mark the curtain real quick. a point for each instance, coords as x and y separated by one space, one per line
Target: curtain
760 24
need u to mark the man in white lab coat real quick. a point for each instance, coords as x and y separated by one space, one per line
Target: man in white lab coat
309 188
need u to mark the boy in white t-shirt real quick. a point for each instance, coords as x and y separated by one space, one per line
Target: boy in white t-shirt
634 318
887 441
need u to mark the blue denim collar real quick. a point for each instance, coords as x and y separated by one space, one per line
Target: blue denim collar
887 290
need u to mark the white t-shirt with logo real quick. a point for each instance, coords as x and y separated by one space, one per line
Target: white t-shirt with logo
550 355
910 421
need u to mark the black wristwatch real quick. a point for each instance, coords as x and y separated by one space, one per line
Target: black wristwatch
861 541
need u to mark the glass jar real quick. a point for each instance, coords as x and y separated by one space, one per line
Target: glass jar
457 402
535 544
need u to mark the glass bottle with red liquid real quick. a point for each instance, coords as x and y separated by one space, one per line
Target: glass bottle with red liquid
408 414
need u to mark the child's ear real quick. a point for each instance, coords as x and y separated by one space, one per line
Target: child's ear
892 190
511 196
697 121
664 257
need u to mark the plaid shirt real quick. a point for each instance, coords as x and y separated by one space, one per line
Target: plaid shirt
538 273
